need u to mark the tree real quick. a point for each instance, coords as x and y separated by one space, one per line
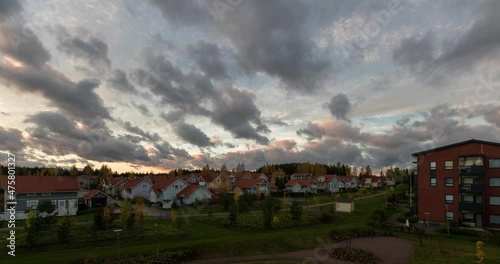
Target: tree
64 228
87 170
74 171
126 211
368 170
270 206
99 223
296 211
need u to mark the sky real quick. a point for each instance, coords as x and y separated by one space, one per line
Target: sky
158 85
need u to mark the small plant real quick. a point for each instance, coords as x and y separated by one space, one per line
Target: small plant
479 252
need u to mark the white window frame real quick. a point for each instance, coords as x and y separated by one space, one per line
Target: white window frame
495 201
494 178
59 204
447 165
449 215
31 194
46 194
468 200
35 202
433 182
447 198
433 165
468 178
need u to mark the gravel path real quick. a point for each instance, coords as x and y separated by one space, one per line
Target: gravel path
389 250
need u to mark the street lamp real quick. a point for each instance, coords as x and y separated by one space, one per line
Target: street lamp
117 231
427 229
447 222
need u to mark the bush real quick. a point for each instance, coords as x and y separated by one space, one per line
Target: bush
377 219
296 210
354 255
64 229
343 234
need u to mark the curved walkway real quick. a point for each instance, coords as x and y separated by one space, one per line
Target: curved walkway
389 250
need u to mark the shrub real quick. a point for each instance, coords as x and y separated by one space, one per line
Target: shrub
354 255
343 234
377 219
99 222
64 229
296 210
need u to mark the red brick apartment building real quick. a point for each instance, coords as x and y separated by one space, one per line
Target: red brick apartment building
460 182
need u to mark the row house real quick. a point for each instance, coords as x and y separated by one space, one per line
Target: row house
137 187
61 191
254 186
301 176
348 182
301 186
327 183
165 190
113 186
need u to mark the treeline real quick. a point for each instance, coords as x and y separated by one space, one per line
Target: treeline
313 168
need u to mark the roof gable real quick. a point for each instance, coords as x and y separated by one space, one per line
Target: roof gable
456 144
44 184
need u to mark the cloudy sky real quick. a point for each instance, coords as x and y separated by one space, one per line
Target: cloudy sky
157 85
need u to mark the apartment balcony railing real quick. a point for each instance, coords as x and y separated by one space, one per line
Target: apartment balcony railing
472 188
473 207
471 170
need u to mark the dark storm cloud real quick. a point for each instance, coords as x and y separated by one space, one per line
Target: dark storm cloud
11 139
480 42
187 94
208 57
143 109
192 134
9 8
93 50
167 151
119 82
137 130
311 131
55 134
339 106
274 37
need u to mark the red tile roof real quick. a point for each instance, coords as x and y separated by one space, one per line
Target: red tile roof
92 193
303 182
114 181
188 190
328 178
247 183
346 178
44 184
164 183
131 184
210 177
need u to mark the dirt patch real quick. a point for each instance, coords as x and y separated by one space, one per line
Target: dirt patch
389 250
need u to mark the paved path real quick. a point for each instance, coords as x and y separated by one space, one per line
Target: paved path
389 250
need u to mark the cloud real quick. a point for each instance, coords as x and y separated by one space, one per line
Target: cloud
11 139
9 9
119 82
192 134
92 49
208 57
137 130
282 49
339 106
55 134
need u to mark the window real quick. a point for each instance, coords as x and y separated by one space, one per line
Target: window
494 163
494 182
495 219
46 194
469 216
470 161
448 198
449 215
448 165
448 182
31 194
54 202
468 199
433 182
468 180
433 165
144 186
33 204
494 200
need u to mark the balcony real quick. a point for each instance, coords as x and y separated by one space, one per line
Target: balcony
472 188
471 170
473 207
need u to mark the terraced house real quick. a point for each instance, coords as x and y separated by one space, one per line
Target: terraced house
460 182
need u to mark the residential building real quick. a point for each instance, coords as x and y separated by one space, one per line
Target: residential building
137 187
165 190
113 186
96 198
88 182
61 191
301 186
194 193
327 183
461 183
252 186
301 176
347 182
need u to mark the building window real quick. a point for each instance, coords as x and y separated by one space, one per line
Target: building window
449 215
46 194
31 194
494 182
468 199
494 163
469 216
495 219
494 200
448 198
33 204
433 182
468 180
433 165
54 202
448 182
470 161
144 186
448 165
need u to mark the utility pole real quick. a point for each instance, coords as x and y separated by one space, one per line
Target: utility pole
427 229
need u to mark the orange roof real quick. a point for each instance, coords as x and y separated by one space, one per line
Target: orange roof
155 178
164 183
188 190
114 181
247 183
303 182
44 184
210 177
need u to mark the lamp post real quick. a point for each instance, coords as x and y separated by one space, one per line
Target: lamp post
427 229
447 221
117 231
